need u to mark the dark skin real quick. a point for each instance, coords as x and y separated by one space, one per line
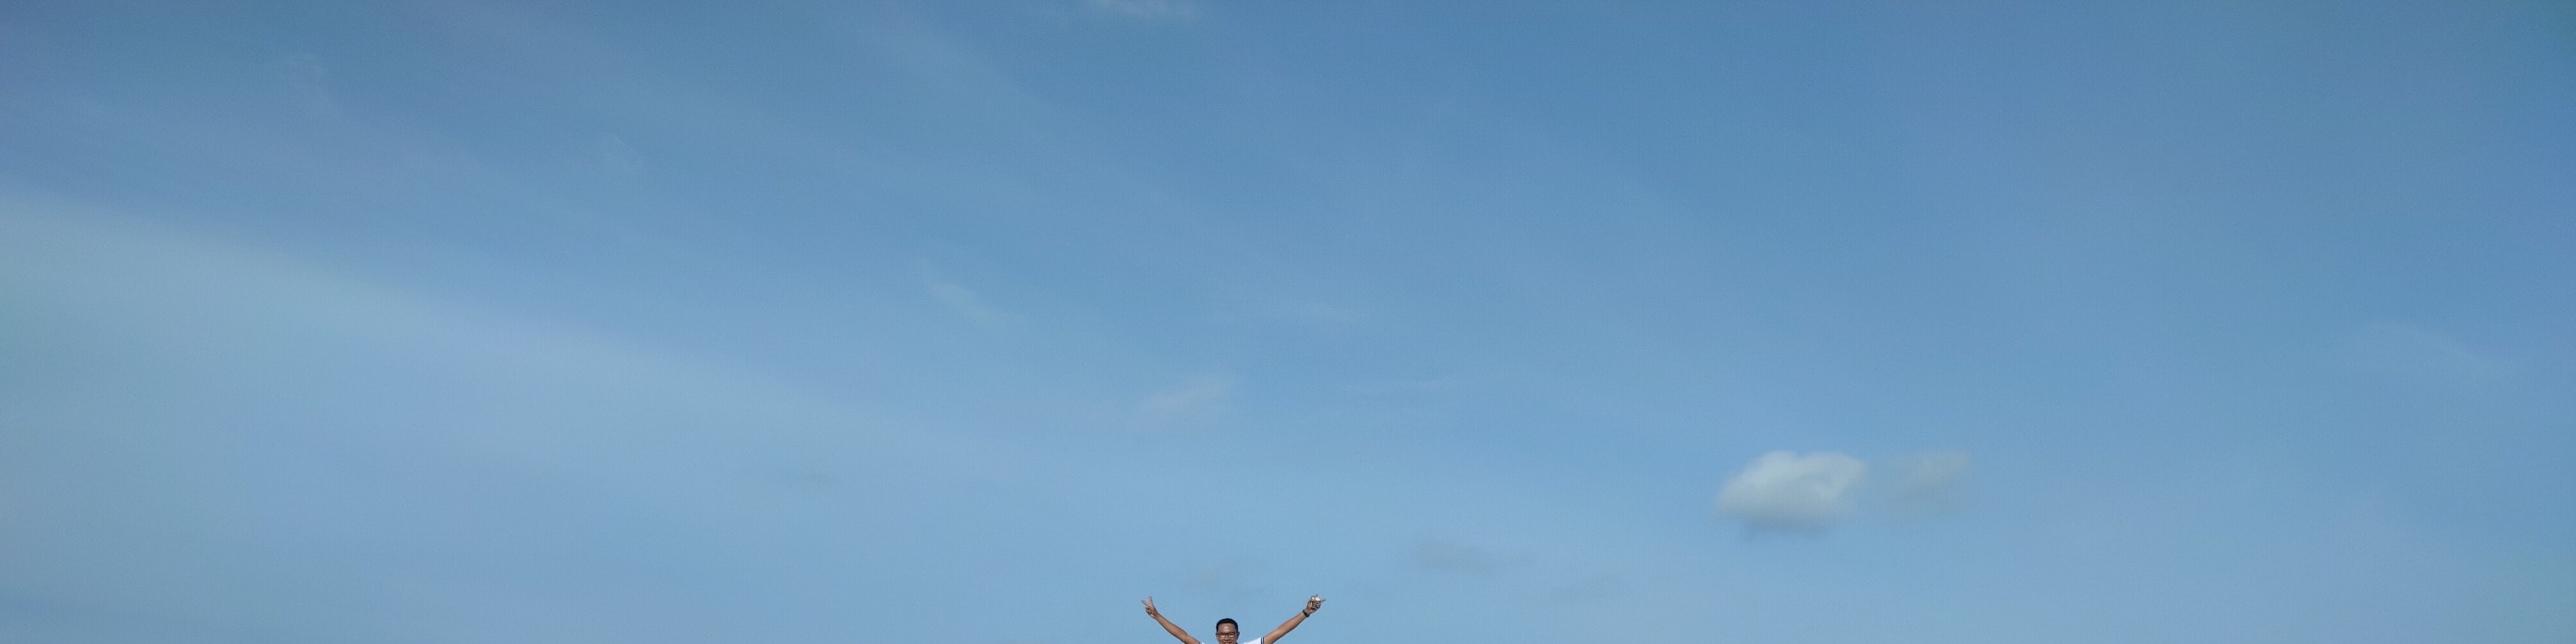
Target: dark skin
1226 633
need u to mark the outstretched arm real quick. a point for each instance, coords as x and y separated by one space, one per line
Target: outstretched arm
1312 603
1168 627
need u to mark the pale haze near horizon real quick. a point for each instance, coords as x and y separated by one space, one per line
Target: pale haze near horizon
979 322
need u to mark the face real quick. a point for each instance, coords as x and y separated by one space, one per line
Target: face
1225 634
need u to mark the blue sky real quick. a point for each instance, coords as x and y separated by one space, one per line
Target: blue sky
979 322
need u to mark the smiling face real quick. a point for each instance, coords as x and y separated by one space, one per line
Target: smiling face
1226 632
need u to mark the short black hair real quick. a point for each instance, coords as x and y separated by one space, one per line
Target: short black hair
1237 627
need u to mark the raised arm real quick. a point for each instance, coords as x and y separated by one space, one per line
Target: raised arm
1312 603
1168 627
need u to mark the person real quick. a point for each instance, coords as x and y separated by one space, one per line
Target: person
1227 632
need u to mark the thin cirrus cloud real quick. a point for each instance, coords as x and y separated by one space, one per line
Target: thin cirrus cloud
1193 404
1145 9
966 303
1452 557
2420 361
1930 483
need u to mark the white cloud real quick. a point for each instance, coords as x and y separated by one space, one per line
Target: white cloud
1931 482
1149 9
1197 402
1784 491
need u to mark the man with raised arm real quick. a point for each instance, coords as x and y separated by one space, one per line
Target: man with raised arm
1227 632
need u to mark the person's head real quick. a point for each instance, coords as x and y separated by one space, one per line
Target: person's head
1226 632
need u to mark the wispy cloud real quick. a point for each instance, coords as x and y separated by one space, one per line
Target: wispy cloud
965 302
1145 9
1929 483
1449 556
371 412
308 83
619 160
1319 314
1197 402
1236 577
121 267
2421 359
1783 491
